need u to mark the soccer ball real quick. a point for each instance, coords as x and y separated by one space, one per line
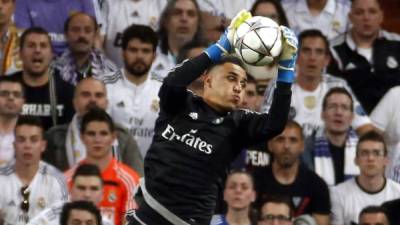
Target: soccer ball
258 41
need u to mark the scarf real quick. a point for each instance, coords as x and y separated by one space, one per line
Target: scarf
76 150
98 66
323 163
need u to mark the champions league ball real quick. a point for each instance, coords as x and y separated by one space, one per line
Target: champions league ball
258 41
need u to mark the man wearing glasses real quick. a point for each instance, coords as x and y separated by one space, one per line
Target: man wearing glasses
29 185
369 188
276 211
11 102
331 150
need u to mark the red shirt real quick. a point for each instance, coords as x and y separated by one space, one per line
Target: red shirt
120 182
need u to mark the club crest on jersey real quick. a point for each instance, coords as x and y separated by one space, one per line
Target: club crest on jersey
155 105
194 115
121 104
112 197
188 138
41 203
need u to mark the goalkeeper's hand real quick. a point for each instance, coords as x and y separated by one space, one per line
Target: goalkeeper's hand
225 43
287 58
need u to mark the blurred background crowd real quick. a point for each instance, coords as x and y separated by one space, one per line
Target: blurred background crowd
79 99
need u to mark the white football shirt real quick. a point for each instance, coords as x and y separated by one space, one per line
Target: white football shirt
348 199
119 14
135 107
48 186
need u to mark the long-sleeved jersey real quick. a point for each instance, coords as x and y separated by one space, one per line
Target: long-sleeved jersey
194 144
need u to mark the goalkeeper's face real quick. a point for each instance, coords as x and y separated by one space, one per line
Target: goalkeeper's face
224 86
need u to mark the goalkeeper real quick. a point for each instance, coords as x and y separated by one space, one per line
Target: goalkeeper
196 138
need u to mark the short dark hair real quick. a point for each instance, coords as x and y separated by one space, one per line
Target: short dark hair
228 59
296 125
314 33
251 79
277 199
98 115
73 15
281 13
87 170
79 205
12 79
164 18
29 121
337 90
241 171
183 52
33 30
143 33
372 136
373 209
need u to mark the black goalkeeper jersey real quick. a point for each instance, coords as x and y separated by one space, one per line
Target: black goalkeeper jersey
193 144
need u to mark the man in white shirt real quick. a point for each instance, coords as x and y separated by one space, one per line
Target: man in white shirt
29 185
386 118
133 98
11 101
120 14
369 188
87 185
312 83
329 16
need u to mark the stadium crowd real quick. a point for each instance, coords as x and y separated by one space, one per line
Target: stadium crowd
79 99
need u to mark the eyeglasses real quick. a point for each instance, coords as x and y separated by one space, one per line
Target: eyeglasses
335 107
374 153
280 218
25 201
6 94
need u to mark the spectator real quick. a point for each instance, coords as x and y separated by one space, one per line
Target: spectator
331 151
11 101
65 145
179 24
81 59
29 185
288 177
80 212
367 57
134 96
218 14
46 94
373 215
9 34
369 188
312 84
329 16
120 14
276 209
51 16
87 185
270 8
250 95
98 133
238 194
386 118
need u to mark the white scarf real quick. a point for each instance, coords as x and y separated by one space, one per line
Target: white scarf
76 150
323 163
